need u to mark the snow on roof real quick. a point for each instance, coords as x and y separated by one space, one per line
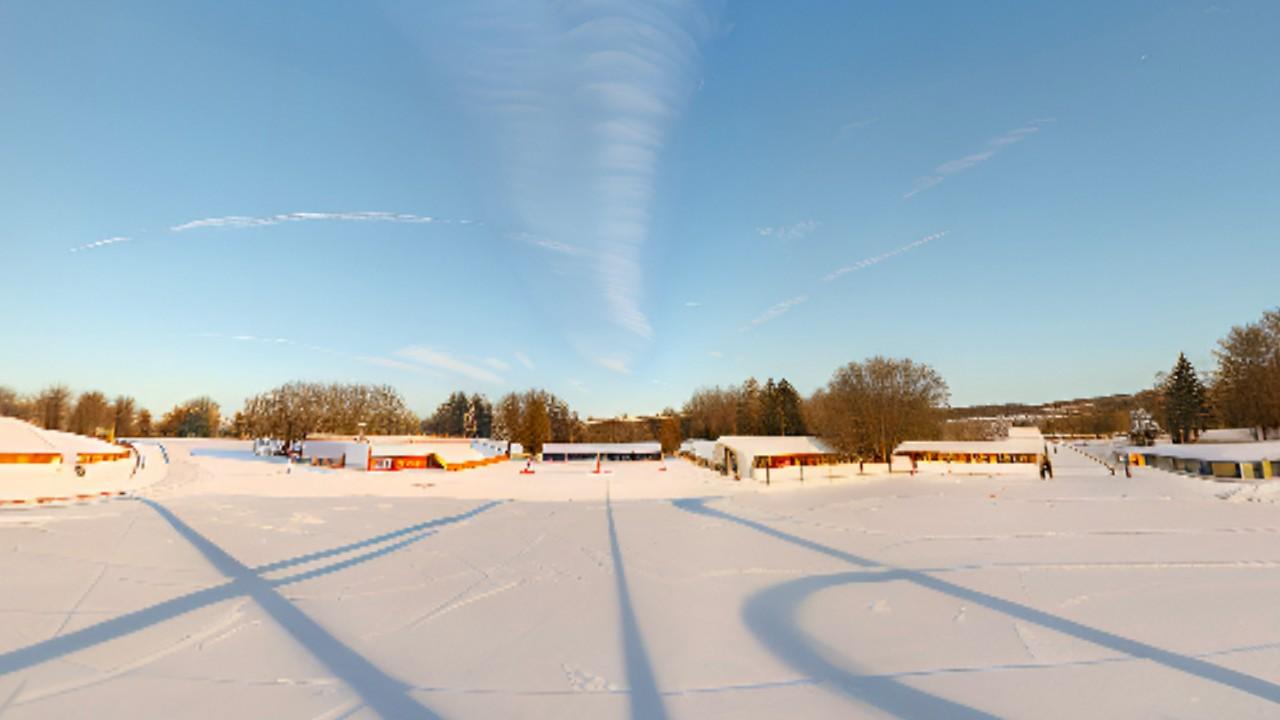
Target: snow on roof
390 439
1215 452
640 448
71 442
1011 446
704 449
17 436
1227 435
448 450
773 445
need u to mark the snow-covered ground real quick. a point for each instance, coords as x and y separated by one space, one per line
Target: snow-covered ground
232 588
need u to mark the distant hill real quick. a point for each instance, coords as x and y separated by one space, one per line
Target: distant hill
1095 415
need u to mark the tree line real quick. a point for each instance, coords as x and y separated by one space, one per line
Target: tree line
1241 391
865 410
297 410
91 413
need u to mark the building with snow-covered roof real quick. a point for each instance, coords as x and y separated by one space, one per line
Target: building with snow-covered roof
702 452
1024 447
399 452
1228 461
613 452
27 448
754 456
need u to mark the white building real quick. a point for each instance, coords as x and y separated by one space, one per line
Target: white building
1023 449
753 456
613 452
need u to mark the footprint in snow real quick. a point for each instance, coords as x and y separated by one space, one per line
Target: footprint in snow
583 681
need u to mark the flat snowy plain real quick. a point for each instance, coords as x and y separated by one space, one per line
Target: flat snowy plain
228 588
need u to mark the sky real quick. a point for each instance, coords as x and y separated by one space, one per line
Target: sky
623 201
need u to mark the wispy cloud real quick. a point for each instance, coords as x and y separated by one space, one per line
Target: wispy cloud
245 221
993 147
254 338
850 128
278 341
614 363
496 364
581 98
786 306
777 311
790 232
101 243
716 354
524 360
548 244
443 361
868 262
693 304
636 77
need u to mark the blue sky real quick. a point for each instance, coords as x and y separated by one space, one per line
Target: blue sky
622 202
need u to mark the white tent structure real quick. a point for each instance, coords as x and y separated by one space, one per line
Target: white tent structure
752 456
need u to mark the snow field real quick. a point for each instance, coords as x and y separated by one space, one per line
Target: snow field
232 589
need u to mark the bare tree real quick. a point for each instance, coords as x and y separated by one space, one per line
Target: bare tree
123 423
52 406
1246 387
91 414
868 408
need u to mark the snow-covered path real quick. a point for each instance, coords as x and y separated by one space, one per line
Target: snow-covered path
1089 595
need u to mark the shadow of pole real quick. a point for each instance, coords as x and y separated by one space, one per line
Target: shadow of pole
380 692
1192 666
643 696
771 615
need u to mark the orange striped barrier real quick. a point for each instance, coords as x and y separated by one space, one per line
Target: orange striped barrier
46 500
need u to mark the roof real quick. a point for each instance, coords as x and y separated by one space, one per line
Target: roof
774 445
17 436
1215 452
71 442
640 448
1227 435
389 439
449 452
1011 446
704 449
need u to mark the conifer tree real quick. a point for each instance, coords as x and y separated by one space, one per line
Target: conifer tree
1185 407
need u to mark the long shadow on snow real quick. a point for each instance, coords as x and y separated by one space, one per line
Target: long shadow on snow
643 695
1193 666
380 692
771 615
